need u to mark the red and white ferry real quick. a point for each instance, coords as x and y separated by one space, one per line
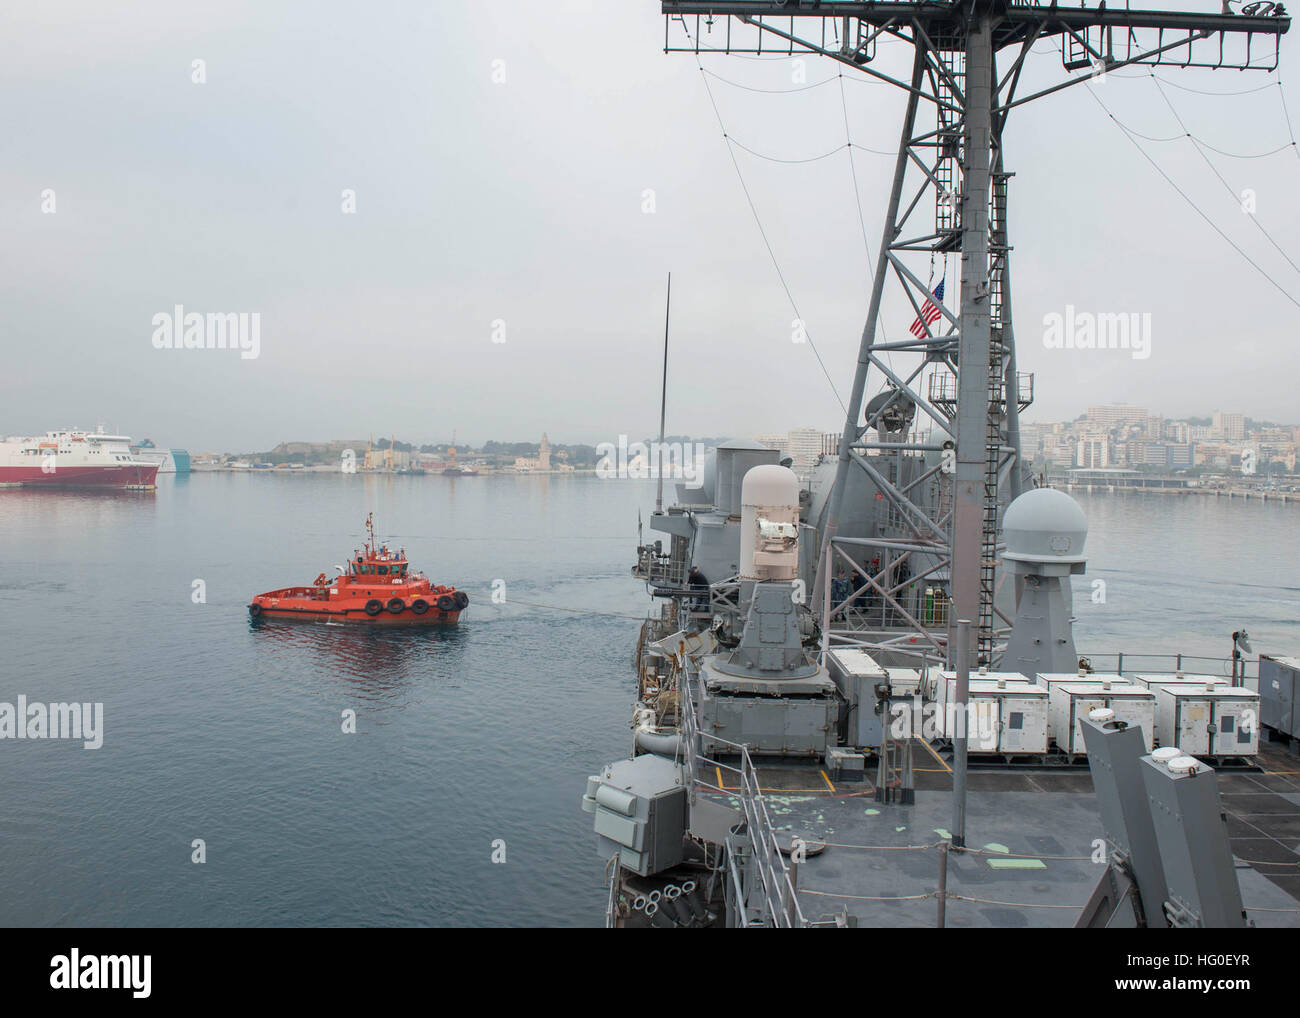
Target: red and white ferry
377 588
75 459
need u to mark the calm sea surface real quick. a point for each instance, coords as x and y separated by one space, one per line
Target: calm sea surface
231 733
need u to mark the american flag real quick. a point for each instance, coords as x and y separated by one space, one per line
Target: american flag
930 313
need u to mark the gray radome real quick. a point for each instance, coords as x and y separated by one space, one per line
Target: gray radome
1045 525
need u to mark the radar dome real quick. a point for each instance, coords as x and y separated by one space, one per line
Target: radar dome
1045 525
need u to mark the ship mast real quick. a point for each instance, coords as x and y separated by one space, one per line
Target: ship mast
663 399
950 152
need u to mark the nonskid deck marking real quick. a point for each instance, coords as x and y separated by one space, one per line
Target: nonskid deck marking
775 790
937 757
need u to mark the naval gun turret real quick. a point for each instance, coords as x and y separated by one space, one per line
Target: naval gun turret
1045 531
767 691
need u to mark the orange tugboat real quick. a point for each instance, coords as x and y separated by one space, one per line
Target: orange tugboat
377 587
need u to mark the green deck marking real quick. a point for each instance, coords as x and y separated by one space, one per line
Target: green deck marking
943 832
1017 864
993 846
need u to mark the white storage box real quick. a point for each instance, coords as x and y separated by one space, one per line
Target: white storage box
1218 721
1007 714
1155 681
1050 679
1070 703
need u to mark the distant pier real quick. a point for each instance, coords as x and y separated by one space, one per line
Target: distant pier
1128 482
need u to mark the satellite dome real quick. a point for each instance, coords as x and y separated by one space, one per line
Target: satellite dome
770 485
1045 525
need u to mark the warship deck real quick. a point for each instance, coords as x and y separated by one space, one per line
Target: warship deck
1030 838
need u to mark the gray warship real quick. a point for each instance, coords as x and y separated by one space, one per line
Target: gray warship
859 699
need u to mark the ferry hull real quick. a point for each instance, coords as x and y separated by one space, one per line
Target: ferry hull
129 476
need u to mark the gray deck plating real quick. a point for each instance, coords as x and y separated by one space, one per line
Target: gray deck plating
1044 820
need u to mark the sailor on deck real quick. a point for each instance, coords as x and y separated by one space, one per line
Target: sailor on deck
696 580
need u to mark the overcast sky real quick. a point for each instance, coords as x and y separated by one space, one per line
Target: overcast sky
522 200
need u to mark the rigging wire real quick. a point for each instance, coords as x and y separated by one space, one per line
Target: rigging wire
1138 134
1213 169
849 145
1286 115
1130 135
768 91
763 233
774 159
1201 91
862 222
812 159
1195 208
745 56
1238 155
577 611
1198 141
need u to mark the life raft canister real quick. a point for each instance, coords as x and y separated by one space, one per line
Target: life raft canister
396 605
419 606
446 603
374 606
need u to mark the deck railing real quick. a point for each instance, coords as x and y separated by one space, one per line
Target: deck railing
779 904
1142 661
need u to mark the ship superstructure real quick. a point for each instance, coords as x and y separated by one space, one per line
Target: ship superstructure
859 701
170 461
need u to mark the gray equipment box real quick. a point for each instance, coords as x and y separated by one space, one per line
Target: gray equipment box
1279 694
845 764
639 807
856 675
798 726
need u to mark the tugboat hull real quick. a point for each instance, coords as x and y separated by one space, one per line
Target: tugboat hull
377 588
376 608
432 617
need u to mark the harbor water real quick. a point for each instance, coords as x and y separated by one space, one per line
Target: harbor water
456 801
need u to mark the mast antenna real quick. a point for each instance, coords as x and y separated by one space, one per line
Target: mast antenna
663 400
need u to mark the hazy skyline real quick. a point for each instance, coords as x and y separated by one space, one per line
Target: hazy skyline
520 201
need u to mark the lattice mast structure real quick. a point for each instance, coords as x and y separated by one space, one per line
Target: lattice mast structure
967 63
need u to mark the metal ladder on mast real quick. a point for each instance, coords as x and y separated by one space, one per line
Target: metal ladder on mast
996 410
